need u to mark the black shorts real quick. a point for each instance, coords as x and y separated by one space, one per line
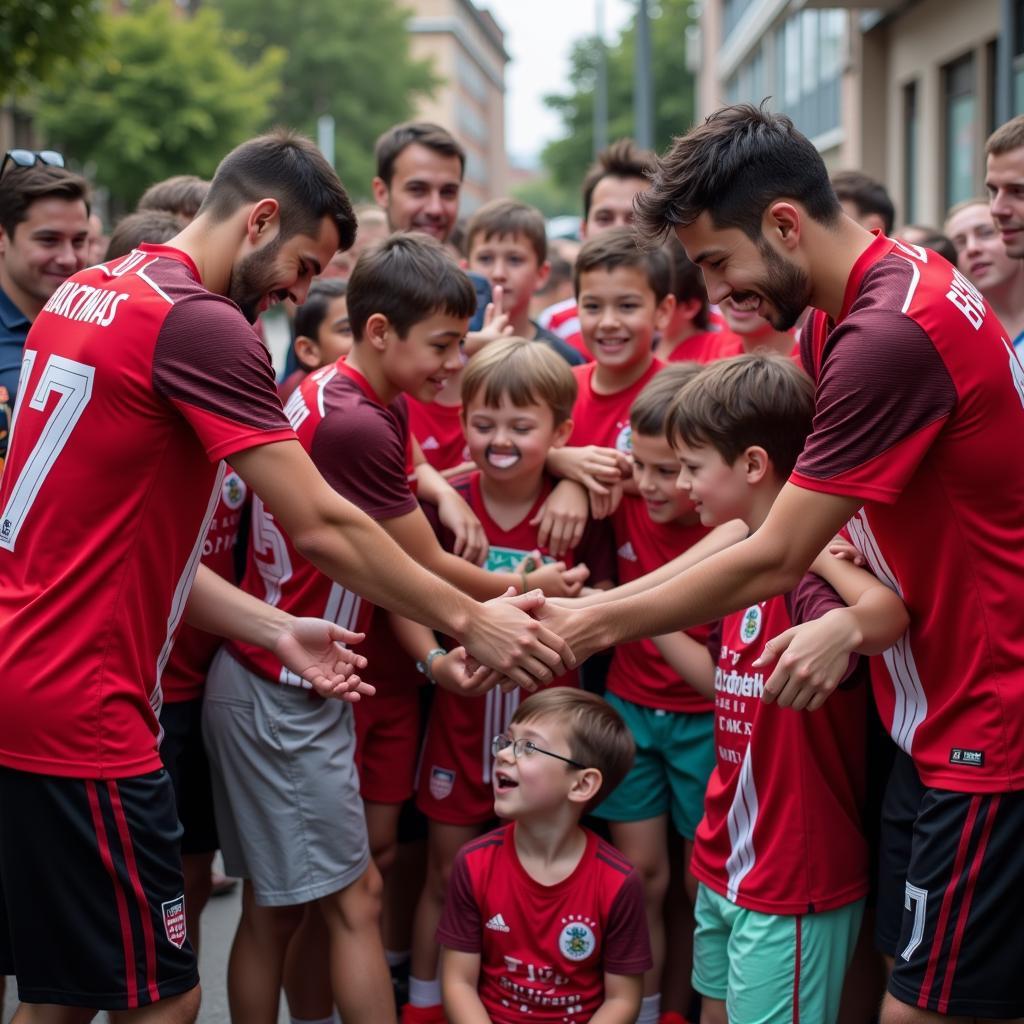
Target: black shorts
959 951
902 800
92 906
184 757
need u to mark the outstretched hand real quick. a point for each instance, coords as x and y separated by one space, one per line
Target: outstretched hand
316 650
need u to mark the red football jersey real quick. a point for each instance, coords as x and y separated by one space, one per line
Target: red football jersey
604 419
563 319
918 412
136 383
724 344
185 675
700 348
362 449
782 832
638 672
455 769
438 428
544 949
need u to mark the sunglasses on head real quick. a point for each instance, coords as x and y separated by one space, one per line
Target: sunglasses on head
29 158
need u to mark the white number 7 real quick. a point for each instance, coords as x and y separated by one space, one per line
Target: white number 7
73 382
918 898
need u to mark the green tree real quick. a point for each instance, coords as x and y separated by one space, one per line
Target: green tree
568 158
38 36
166 96
349 59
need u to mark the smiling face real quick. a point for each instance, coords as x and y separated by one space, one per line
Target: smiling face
280 269
619 316
718 490
1004 180
534 783
981 254
43 251
511 441
656 472
611 204
756 277
511 262
423 194
422 363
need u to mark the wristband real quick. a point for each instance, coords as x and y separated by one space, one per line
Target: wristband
522 576
425 665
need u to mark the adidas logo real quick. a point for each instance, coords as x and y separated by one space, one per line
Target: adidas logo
431 444
497 924
627 552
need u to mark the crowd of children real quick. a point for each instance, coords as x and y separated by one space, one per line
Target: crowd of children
680 828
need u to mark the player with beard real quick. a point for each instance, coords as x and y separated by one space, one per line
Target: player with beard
909 447
141 376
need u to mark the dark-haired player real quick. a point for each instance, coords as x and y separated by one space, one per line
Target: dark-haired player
908 446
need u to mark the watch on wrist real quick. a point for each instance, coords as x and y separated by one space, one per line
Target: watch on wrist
426 665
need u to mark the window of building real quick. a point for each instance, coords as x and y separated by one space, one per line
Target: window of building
960 119
732 15
911 129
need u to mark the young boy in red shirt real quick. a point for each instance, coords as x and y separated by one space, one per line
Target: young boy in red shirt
517 400
543 918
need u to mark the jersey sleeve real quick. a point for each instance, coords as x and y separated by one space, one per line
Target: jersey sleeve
361 454
461 926
216 372
883 395
627 945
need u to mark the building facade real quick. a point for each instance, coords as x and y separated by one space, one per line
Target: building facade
905 90
467 48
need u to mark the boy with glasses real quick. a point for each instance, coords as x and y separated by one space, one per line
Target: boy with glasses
542 917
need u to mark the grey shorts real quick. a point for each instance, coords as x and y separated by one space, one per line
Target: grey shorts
285 787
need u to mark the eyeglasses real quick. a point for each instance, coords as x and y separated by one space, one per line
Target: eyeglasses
522 746
29 158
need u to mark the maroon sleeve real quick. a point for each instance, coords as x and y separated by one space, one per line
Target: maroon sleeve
883 394
714 641
361 453
809 600
210 364
461 926
627 943
597 549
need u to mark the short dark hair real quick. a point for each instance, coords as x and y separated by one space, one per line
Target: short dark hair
421 133
407 277
153 226
1006 137
311 314
622 159
618 247
753 400
688 281
938 242
868 195
597 736
507 217
182 194
649 412
288 167
734 166
20 187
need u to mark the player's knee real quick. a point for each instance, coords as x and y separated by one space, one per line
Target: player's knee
384 856
358 905
894 1011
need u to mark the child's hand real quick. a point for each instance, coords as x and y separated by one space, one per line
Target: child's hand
470 539
455 673
562 519
595 467
812 660
496 324
604 505
557 581
842 549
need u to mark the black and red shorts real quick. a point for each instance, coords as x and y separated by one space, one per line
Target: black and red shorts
960 951
92 906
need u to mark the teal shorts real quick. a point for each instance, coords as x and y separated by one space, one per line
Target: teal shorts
761 964
675 753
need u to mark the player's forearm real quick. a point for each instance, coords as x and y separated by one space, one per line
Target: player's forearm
477 582
875 622
219 607
618 1010
462 1005
690 659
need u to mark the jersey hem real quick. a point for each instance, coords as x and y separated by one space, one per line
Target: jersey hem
745 902
707 709
80 769
459 947
976 784
243 442
864 493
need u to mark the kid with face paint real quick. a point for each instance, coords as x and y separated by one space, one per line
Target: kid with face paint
517 399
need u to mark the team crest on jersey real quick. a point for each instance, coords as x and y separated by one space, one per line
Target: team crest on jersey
441 782
234 491
577 940
750 630
624 442
174 920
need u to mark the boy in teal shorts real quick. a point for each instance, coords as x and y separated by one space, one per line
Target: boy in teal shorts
780 854
671 722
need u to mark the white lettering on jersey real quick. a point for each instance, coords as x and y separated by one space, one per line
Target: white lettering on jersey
273 563
967 299
73 382
84 303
